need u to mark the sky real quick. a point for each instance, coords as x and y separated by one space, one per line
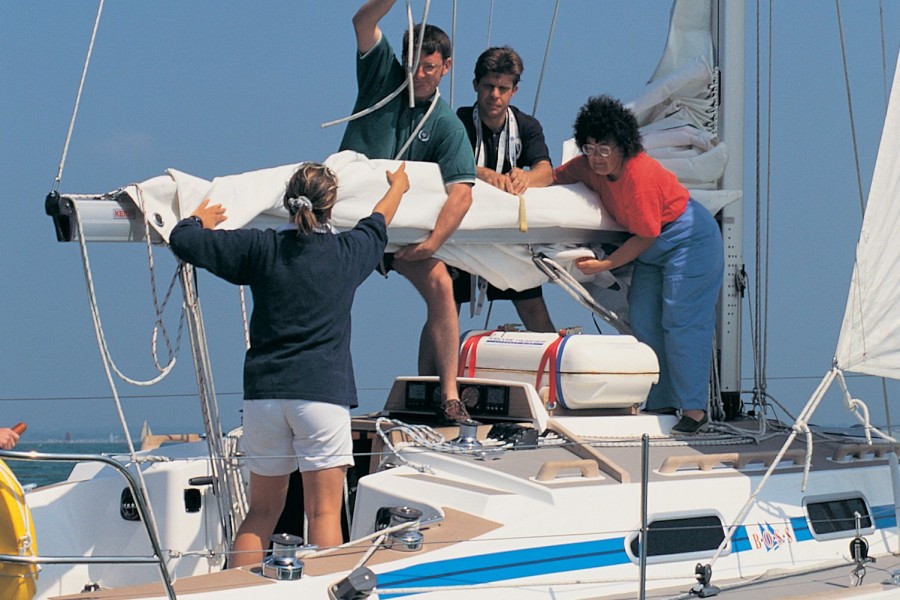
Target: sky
215 88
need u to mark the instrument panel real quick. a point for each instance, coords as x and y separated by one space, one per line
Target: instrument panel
481 399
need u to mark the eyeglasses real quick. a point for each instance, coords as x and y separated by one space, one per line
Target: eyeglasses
428 69
601 150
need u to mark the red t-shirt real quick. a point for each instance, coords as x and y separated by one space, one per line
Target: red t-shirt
646 196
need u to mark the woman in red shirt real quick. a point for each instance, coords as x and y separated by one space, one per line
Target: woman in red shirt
676 247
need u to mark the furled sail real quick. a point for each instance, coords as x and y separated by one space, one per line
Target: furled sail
870 334
488 241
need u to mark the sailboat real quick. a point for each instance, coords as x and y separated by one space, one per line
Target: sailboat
576 496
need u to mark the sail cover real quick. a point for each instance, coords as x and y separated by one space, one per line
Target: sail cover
870 335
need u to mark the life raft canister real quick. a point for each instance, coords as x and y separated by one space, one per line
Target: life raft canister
580 371
17 581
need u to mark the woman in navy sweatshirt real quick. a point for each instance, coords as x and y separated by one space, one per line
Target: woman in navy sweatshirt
298 374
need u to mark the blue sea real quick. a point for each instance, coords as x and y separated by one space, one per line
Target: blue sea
40 473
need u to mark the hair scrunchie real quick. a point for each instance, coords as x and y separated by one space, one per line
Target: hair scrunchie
296 204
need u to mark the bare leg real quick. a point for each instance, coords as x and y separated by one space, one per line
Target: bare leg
534 314
427 364
322 499
441 332
267 494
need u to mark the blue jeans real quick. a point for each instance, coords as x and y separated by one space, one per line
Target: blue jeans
672 300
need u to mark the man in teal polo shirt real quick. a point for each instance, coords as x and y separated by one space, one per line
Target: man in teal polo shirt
396 131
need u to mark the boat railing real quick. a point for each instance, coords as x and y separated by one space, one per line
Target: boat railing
140 503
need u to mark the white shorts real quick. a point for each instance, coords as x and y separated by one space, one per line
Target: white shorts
281 436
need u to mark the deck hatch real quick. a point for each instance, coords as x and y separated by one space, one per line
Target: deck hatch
685 535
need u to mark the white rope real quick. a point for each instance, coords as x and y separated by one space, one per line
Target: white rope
802 426
418 435
373 548
108 367
407 83
410 68
244 321
860 410
98 324
421 124
87 61
370 109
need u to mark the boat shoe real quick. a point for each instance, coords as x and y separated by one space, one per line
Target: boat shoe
688 425
454 411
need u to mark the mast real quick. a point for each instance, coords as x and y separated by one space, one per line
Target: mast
729 47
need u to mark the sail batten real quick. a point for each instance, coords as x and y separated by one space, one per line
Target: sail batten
869 342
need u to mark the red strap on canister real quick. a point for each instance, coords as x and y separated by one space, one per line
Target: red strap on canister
549 356
470 345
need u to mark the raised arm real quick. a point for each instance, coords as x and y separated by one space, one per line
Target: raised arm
387 206
365 23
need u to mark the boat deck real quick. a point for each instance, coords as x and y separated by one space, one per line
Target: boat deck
735 447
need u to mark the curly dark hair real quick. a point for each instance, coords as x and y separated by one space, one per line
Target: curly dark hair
606 120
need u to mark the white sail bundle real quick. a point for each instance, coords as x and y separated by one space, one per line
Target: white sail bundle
488 242
870 334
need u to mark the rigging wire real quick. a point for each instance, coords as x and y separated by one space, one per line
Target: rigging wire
853 134
885 83
884 68
453 52
537 93
756 331
862 201
490 24
87 61
764 307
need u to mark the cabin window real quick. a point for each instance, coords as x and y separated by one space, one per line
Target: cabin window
686 535
838 515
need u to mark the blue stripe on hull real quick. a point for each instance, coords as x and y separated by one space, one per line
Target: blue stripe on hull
488 568
561 558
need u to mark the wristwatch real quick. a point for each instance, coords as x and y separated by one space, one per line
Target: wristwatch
196 218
